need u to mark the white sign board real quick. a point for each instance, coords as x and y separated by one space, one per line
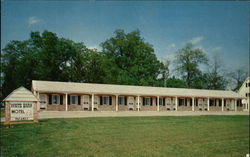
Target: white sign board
20 111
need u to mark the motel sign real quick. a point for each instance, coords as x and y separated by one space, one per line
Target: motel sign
20 106
21 111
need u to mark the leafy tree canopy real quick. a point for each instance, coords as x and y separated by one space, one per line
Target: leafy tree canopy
175 83
130 59
47 57
187 61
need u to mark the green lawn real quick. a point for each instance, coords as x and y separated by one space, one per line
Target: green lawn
129 136
2 112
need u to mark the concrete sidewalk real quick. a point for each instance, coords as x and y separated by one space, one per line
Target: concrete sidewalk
78 114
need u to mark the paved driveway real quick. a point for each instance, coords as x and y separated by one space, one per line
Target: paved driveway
77 114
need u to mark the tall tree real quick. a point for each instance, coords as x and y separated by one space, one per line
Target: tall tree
175 83
46 57
215 79
54 55
187 61
18 63
238 76
130 60
164 73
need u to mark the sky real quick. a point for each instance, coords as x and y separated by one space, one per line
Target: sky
219 28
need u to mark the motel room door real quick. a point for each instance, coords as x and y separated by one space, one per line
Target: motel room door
43 103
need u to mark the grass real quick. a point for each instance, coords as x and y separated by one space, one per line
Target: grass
2 112
129 136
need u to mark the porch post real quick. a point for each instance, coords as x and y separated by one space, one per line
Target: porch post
192 103
176 103
235 105
34 92
138 102
116 102
158 103
208 101
38 103
92 100
222 104
66 101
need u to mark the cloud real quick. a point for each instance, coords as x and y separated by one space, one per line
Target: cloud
33 20
196 40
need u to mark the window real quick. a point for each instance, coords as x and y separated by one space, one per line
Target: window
162 102
168 101
43 102
105 100
147 101
73 99
247 94
220 103
212 103
42 98
121 100
181 102
55 99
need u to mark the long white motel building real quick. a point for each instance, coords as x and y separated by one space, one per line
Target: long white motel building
69 96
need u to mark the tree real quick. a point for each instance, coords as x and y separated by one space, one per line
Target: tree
18 63
164 72
175 83
214 79
54 56
187 61
130 60
46 57
90 69
237 77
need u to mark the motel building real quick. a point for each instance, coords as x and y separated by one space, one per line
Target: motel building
245 92
69 96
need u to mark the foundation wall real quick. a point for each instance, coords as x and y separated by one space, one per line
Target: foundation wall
53 107
184 108
167 108
125 108
122 107
196 108
215 108
162 108
75 108
149 108
239 108
106 107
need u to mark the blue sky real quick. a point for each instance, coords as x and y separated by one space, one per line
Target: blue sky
219 28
